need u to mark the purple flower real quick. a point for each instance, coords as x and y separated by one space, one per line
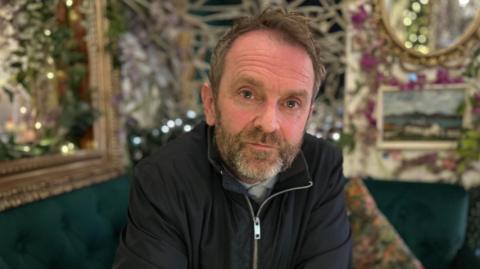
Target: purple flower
368 113
380 77
442 76
428 158
117 99
368 62
476 96
476 111
421 80
409 86
359 17
458 80
393 81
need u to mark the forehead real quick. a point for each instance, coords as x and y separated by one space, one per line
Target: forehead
265 52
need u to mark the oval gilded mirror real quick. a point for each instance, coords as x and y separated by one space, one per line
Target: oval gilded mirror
430 32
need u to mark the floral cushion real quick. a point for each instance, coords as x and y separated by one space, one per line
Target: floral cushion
376 244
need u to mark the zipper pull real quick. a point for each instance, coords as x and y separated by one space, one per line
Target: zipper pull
256 228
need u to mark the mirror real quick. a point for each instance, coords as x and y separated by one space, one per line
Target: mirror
58 127
430 32
45 97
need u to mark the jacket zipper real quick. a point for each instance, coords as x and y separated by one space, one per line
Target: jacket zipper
256 220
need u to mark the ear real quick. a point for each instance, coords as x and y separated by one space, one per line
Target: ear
310 113
208 103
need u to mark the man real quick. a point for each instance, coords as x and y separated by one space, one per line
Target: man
248 188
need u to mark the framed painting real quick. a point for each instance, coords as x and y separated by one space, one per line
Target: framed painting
429 118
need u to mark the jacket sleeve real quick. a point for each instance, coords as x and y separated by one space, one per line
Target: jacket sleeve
151 238
328 238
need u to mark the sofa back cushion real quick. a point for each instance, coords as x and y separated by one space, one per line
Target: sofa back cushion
430 217
376 244
78 229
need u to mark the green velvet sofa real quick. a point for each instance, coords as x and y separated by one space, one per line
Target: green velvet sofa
80 229
430 217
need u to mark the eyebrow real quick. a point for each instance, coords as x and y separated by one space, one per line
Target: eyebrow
249 80
254 82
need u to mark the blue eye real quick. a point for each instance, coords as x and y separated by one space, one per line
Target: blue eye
292 104
247 94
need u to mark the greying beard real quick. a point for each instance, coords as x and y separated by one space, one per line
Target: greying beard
238 157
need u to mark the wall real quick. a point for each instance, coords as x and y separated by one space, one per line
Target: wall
370 64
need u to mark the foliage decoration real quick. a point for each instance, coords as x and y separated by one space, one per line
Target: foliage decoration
161 51
50 64
376 68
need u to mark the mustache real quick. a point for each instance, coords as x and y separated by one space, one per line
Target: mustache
256 134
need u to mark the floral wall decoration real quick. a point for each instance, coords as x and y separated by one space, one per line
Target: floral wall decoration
163 50
370 66
44 95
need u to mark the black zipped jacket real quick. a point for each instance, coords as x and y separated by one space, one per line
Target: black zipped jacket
186 211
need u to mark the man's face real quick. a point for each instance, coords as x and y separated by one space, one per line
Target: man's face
263 103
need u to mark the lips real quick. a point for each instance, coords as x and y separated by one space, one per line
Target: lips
261 146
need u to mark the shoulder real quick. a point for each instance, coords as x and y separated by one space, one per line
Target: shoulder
177 162
325 163
320 154
187 147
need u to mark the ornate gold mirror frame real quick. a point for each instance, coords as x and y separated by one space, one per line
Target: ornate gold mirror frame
447 57
31 179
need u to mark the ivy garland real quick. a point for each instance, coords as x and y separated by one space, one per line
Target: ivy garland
49 63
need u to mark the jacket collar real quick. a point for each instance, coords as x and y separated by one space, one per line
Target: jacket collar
296 175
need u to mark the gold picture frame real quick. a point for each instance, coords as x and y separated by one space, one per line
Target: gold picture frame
27 180
411 59
426 118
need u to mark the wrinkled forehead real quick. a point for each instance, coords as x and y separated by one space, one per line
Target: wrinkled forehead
263 50
264 38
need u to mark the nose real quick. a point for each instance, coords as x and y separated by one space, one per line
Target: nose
267 119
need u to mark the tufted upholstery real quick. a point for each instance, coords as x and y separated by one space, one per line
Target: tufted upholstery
74 230
79 229
430 217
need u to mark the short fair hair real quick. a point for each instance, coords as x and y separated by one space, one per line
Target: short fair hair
292 27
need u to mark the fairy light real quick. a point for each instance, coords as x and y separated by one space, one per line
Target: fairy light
165 129
38 125
178 122
191 114
69 3
47 32
71 146
137 140
463 2
64 149
424 2
416 7
336 136
407 21
422 39
50 75
23 110
67 148
423 49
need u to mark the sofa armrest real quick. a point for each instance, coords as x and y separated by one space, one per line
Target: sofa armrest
466 259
